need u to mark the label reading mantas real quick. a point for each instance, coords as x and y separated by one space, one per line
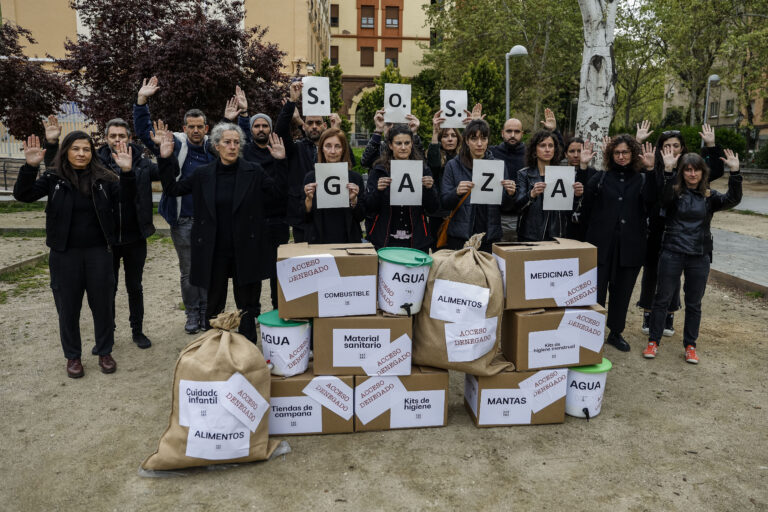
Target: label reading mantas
505 407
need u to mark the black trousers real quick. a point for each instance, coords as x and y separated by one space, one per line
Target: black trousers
246 296
671 266
276 234
299 234
651 271
134 255
75 272
616 282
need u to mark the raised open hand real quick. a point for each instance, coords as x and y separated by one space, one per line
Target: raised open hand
242 101
731 160
148 88
123 156
52 129
276 147
669 157
587 152
643 131
158 132
33 152
232 110
166 144
549 122
707 135
648 155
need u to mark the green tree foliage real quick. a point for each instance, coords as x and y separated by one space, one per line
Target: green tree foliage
334 74
481 82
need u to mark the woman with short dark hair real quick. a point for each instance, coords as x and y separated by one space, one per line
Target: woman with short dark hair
686 249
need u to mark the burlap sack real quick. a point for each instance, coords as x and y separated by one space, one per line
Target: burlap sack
430 347
215 356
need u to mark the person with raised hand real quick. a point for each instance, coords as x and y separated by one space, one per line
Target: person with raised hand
192 150
443 147
686 248
334 225
671 143
228 229
643 131
377 144
398 226
80 231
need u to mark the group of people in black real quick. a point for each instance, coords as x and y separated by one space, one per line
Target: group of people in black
234 195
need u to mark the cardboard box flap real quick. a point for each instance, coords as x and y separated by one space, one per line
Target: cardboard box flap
556 244
362 252
426 369
531 312
303 249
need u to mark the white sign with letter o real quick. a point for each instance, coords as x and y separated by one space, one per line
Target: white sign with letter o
397 102
332 180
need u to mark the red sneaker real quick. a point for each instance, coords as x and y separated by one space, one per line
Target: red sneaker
690 355
650 350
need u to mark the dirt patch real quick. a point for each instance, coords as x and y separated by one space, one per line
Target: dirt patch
743 224
671 436
15 249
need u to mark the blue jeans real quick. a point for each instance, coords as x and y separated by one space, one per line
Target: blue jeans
671 266
195 298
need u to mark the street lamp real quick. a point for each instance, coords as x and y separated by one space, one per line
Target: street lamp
516 51
710 81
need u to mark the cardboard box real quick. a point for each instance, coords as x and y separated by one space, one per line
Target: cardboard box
560 273
517 398
417 400
363 345
326 280
553 338
311 404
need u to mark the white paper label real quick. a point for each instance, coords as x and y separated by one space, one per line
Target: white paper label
487 176
469 341
392 359
300 275
502 263
587 327
243 401
505 407
547 387
397 102
453 104
470 392
333 394
354 347
332 180
418 409
198 400
346 296
543 276
316 96
374 397
558 193
406 186
294 415
581 290
287 348
226 439
458 302
551 348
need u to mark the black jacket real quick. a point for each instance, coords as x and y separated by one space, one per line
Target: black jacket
376 145
275 207
106 195
689 215
379 211
514 157
349 218
463 222
437 166
252 185
615 209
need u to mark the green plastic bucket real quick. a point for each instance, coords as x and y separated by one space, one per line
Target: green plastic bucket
285 343
403 274
586 386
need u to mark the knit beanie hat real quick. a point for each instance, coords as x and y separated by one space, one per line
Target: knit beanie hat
261 116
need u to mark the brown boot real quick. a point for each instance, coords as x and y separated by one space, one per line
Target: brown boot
74 368
107 364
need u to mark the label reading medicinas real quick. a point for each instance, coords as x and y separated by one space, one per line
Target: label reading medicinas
505 407
294 415
333 394
551 348
346 296
392 359
418 409
458 302
547 387
468 341
374 397
300 275
243 401
354 347
542 277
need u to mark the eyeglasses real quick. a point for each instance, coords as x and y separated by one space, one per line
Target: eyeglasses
671 133
622 153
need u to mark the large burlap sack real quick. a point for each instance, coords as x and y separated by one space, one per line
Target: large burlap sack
201 430
459 325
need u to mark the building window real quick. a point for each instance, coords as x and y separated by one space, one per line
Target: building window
366 56
714 108
334 15
392 17
334 55
366 16
390 56
729 107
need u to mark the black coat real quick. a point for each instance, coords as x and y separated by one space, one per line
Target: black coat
350 218
615 209
106 195
252 186
275 207
514 157
379 211
689 215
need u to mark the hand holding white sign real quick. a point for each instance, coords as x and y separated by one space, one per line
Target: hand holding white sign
332 181
559 190
405 189
487 175
453 105
316 96
397 102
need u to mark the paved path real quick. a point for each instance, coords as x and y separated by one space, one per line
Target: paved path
741 256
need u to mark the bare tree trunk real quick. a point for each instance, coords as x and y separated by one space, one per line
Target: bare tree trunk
597 89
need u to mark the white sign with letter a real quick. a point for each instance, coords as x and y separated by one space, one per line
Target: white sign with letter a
487 176
397 102
316 96
405 189
332 180
453 104
558 194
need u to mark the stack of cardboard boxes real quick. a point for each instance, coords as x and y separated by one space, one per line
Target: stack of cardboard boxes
361 377
551 322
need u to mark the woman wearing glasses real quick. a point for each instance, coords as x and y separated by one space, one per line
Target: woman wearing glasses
615 208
